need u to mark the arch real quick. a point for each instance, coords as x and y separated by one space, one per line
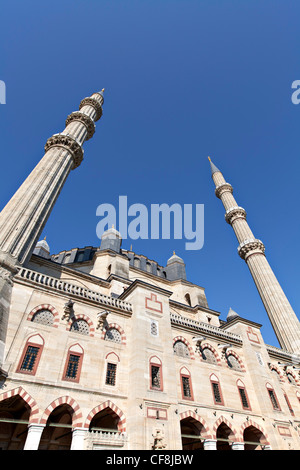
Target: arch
233 434
85 318
107 404
187 298
294 380
230 352
205 433
117 327
255 430
181 338
45 307
64 400
212 349
112 356
34 410
274 368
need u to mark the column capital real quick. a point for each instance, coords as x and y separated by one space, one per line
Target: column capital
90 101
69 143
222 188
234 213
249 247
84 119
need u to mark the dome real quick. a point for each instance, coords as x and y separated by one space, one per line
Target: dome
231 314
43 244
175 259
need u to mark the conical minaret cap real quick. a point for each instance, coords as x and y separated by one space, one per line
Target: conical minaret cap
213 167
231 314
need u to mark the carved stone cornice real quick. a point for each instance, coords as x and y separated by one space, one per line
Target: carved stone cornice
250 247
69 143
222 188
89 101
84 119
235 213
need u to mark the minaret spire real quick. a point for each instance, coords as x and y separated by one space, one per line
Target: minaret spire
283 319
23 218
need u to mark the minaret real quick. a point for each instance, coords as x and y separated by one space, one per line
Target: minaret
23 218
283 319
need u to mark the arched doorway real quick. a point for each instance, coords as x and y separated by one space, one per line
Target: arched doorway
57 434
254 439
14 418
190 427
224 436
106 419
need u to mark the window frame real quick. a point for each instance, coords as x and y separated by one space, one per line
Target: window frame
215 381
270 390
186 375
78 374
241 386
114 376
37 359
156 362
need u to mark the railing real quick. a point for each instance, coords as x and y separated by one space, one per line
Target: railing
103 438
72 289
205 328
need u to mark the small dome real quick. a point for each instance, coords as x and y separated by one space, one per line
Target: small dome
111 233
43 244
175 259
231 314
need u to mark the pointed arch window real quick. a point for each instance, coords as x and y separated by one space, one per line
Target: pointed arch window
186 384
73 364
31 355
243 395
156 379
273 397
216 389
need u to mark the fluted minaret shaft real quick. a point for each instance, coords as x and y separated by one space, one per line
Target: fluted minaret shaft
23 218
282 317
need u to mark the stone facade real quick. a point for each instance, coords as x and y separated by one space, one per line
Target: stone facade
102 348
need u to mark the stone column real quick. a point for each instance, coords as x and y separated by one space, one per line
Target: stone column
282 317
210 444
237 446
34 435
78 436
23 218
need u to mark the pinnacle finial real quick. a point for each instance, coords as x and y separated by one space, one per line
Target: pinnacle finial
213 167
103 89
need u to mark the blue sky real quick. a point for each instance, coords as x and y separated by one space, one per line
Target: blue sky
183 80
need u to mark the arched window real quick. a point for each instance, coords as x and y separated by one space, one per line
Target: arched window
181 349
188 299
44 317
273 397
233 362
291 378
111 369
208 355
73 364
186 384
80 326
243 395
156 381
112 334
216 389
31 355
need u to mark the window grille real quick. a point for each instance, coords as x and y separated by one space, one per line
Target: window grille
113 335
208 356
273 400
186 387
111 374
181 349
243 397
216 392
44 317
233 363
72 367
29 358
155 377
80 326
